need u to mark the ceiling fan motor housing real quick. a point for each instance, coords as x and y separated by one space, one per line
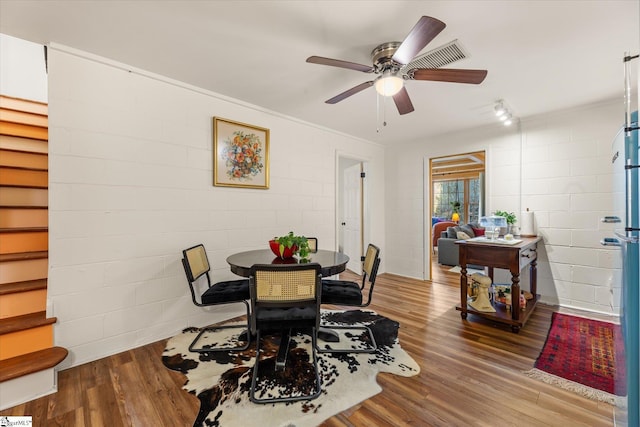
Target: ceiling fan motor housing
381 57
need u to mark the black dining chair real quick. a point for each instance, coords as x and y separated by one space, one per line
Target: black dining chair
313 244
353 294
284 298
196 265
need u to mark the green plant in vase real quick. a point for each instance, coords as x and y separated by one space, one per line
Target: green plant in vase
290 243
510 217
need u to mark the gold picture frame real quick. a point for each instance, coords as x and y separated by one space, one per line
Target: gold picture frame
240 154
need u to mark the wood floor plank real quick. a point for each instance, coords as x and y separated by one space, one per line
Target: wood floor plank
471 374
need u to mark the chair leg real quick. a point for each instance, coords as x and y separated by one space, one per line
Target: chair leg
244 336
254 378
328 348
283 349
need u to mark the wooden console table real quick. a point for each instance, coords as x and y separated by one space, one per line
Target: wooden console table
510 257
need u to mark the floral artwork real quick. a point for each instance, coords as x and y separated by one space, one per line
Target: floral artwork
241 155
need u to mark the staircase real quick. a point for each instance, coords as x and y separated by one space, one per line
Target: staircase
27 353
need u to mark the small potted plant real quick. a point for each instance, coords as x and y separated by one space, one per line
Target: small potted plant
289 245
510 217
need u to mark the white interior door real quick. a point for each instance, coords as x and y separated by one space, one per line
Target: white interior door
352 216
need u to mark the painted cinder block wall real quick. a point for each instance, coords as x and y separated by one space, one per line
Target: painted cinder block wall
557 165
131 179
131 186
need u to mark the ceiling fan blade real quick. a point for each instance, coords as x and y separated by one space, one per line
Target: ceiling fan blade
348 93
403 102
449 75
339 63
420 35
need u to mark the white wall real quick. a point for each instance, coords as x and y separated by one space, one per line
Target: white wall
558 165
567 182
23 71
131 186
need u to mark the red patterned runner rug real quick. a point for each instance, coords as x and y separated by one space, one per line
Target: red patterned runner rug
584 356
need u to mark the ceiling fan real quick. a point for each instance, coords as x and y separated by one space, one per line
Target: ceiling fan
391 62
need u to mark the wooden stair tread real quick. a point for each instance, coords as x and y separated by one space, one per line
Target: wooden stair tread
32 362
30 285
24 145
39 187
24 168
23 229
23 207
22 256
26 321
26 105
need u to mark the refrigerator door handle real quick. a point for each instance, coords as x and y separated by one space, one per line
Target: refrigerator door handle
610 241
610 219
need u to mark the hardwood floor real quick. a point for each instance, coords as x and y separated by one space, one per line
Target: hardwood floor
471 374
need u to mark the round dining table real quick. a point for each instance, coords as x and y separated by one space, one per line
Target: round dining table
331 262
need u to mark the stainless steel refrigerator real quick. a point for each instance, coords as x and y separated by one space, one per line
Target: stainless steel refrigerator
627 231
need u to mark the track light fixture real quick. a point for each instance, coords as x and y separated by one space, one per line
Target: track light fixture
502 113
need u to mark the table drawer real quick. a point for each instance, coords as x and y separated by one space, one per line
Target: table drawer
527 256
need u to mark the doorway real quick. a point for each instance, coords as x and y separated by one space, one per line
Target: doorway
351 208
456 192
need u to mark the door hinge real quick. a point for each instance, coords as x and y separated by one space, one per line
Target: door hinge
362 174
362 258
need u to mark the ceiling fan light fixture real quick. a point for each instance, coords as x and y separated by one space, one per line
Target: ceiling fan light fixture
388 84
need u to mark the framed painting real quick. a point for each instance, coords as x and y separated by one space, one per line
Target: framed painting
240 155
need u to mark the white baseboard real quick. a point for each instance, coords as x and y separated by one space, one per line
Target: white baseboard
29 387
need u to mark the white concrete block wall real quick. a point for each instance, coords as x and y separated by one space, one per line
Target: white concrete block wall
567 183
405 214
559 166
131 186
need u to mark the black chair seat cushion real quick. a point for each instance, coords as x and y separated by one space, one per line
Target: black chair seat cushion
286 317
341 292
232 290
293 314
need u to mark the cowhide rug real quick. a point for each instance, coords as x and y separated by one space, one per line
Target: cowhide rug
221 380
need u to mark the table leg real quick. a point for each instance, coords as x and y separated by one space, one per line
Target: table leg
463 290
533 277
515 295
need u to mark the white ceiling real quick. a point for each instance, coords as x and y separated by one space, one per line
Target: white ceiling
541 55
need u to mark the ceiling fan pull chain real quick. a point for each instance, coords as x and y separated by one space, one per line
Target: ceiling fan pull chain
384 111
377 113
